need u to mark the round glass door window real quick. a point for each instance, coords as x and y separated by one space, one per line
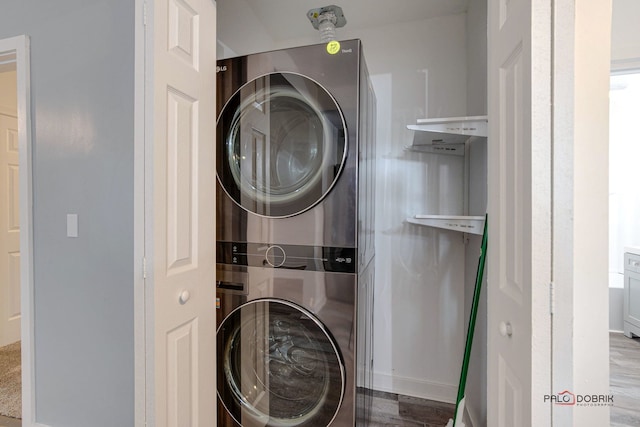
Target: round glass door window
281 144
278 366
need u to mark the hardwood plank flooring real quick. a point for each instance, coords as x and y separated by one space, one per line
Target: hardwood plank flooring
624 359
391 409
624 365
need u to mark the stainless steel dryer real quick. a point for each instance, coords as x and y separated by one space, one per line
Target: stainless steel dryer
295 246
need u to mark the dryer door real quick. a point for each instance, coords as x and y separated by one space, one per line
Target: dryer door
281 144
278 366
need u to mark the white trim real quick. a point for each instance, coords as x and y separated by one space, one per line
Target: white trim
469 417
581 75
431 390
147 52
20 45
140 390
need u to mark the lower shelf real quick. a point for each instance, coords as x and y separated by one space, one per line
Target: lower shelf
464 224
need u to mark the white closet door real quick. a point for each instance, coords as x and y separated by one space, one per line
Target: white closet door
180 248
518 255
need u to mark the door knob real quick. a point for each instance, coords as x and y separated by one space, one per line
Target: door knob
184 297
505 329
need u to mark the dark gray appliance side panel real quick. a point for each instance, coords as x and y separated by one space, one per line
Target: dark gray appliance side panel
366 167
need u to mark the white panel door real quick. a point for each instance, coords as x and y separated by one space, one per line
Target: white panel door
519 210
181 245
10 232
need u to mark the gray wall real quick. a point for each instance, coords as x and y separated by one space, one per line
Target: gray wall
82 123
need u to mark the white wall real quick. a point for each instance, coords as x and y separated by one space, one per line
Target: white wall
625 37
418 70
476 387
625 54
624 198
240 30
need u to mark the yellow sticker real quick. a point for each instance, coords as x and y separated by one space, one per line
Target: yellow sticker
333 47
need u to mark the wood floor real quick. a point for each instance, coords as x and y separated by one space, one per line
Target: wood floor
397 410
624 362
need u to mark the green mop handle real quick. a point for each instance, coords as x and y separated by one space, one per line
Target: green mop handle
472 319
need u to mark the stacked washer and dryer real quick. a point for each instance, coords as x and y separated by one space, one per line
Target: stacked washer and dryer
295 237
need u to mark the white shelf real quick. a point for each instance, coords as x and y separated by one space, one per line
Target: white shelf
462 223
449 149
449 136
449 132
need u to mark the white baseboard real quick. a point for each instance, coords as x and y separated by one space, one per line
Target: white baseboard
414 387
469 418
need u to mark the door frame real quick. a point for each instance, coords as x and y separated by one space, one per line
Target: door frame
580 217
18 50
142 373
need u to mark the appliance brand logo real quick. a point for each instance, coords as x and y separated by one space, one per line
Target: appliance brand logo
221 68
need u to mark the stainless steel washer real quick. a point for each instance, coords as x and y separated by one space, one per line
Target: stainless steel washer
295 163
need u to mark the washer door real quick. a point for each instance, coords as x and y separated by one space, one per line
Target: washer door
281 145
278 366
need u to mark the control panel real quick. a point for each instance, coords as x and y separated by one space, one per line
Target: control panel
298 257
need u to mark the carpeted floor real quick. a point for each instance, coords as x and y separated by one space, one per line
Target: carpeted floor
10 381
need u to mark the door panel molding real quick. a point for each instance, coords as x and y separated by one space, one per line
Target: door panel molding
182 379
182 181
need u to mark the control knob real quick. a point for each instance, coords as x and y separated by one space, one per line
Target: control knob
275 256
